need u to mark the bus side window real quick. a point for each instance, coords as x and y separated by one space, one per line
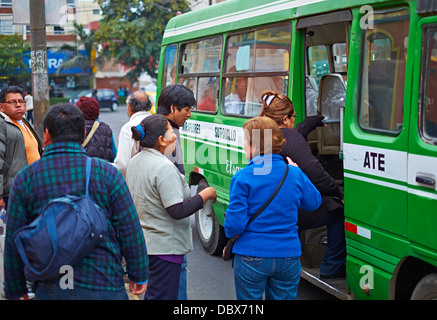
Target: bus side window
249 56
200 70
318 64
428 112
339 51
383 72
311 94
169 76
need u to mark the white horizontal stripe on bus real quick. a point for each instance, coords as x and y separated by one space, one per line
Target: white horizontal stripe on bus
244 14
392 186
226 134
214 144
422 193
384 163
375 181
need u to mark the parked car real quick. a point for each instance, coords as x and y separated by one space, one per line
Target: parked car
105 97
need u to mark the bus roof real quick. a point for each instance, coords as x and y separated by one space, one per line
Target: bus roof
239 14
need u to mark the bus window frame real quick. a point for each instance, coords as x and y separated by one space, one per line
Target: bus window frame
364 35
176 46
426 28
181 76
249 74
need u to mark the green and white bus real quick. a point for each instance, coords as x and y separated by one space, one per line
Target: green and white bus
370 67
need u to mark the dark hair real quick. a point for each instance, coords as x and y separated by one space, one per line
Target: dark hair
10 89
89 107
175 95
139 101
153 126
65 122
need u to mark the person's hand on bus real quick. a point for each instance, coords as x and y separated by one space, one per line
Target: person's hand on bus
292 162
208 194
137 289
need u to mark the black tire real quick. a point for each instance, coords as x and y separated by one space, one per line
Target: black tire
211 233
114 106
426 289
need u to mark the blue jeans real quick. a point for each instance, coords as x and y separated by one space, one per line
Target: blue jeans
182 293
51 290
335 254
277 277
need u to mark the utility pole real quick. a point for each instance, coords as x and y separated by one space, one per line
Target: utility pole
40 78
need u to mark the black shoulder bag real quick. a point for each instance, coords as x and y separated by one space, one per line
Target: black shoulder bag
227 252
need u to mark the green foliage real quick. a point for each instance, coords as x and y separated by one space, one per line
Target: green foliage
11 56
131 31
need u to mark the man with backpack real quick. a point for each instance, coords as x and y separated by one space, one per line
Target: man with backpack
62 171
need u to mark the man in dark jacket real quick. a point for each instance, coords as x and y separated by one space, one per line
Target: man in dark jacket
13 107
19 143
12 157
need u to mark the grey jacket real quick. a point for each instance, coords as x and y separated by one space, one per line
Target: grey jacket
12 153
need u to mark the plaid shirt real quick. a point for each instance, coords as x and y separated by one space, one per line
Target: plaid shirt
61 170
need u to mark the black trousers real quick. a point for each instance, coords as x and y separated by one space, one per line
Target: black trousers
163 279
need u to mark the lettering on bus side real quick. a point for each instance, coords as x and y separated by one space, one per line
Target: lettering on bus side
191 127
226 134
374 160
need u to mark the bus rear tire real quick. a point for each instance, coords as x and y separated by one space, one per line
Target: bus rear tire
211 233
426 289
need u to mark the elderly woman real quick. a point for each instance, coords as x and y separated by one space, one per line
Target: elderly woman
331 213
164 203
267 250
99 140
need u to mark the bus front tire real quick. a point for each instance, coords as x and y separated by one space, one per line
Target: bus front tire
426 289
211 233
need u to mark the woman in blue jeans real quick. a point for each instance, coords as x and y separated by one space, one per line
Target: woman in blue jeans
267 251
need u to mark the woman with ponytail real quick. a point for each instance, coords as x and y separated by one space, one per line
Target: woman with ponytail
164 203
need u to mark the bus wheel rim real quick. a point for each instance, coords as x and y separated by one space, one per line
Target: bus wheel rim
205 221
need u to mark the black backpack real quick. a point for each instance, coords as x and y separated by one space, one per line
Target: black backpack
66 231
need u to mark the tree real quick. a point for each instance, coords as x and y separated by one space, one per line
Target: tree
87 61
12 65
131 31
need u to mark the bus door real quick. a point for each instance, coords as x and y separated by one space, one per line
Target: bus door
375 152
325 52
325 75
422 158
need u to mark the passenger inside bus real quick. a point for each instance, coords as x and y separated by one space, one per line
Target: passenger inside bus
235 101
208 95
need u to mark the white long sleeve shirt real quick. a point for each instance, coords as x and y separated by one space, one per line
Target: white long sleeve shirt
125 141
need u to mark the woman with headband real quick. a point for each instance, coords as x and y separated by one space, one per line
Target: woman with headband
331 213
164 203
